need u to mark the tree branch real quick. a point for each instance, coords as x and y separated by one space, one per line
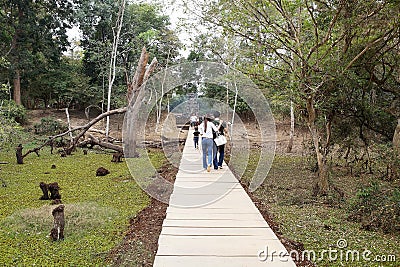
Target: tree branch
377 40
92 122
328 33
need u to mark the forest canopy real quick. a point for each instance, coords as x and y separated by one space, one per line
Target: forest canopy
38 64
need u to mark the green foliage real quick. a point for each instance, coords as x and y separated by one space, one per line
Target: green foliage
118 98
349 76
97 209
33 36
147 26
10 133
386 162
366 197
218 92
4 62
4 91
11 115
11 111
49 126
314 222
376 208
176 101
143 26
63 85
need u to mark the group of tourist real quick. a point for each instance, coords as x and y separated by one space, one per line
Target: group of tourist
208 128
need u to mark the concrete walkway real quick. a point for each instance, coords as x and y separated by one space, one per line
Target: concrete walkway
211 221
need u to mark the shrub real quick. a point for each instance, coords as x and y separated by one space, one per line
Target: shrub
386 162
49 126
376 208
10 132
12 111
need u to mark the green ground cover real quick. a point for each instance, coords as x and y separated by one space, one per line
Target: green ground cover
97 209
321 223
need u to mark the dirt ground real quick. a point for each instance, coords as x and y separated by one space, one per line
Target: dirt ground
78 118
139 245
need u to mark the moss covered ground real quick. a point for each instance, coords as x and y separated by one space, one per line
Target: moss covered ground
97 209
321 223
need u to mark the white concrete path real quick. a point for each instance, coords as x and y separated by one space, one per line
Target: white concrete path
211 221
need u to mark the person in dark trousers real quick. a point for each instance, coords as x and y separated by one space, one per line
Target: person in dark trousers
196 135
206 129
219 151
193 120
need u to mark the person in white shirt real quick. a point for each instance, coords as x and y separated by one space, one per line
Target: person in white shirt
193 120
206 129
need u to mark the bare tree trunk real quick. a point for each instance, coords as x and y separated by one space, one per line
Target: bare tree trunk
18 154
234 108
95 141
69 123
57 232
130 132
17 87
113 61
291 137
135 97
396 138
140 75
227 102
104 94
322 185
159 108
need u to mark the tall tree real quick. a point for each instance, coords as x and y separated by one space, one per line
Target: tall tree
143 25
318 43
34 35
113 57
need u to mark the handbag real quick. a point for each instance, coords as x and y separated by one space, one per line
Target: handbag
220 140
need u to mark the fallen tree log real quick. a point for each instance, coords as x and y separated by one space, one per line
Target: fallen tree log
152 144
83 129
97 131
92 141
86 127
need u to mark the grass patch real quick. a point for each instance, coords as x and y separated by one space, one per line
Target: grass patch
97 209
320 222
